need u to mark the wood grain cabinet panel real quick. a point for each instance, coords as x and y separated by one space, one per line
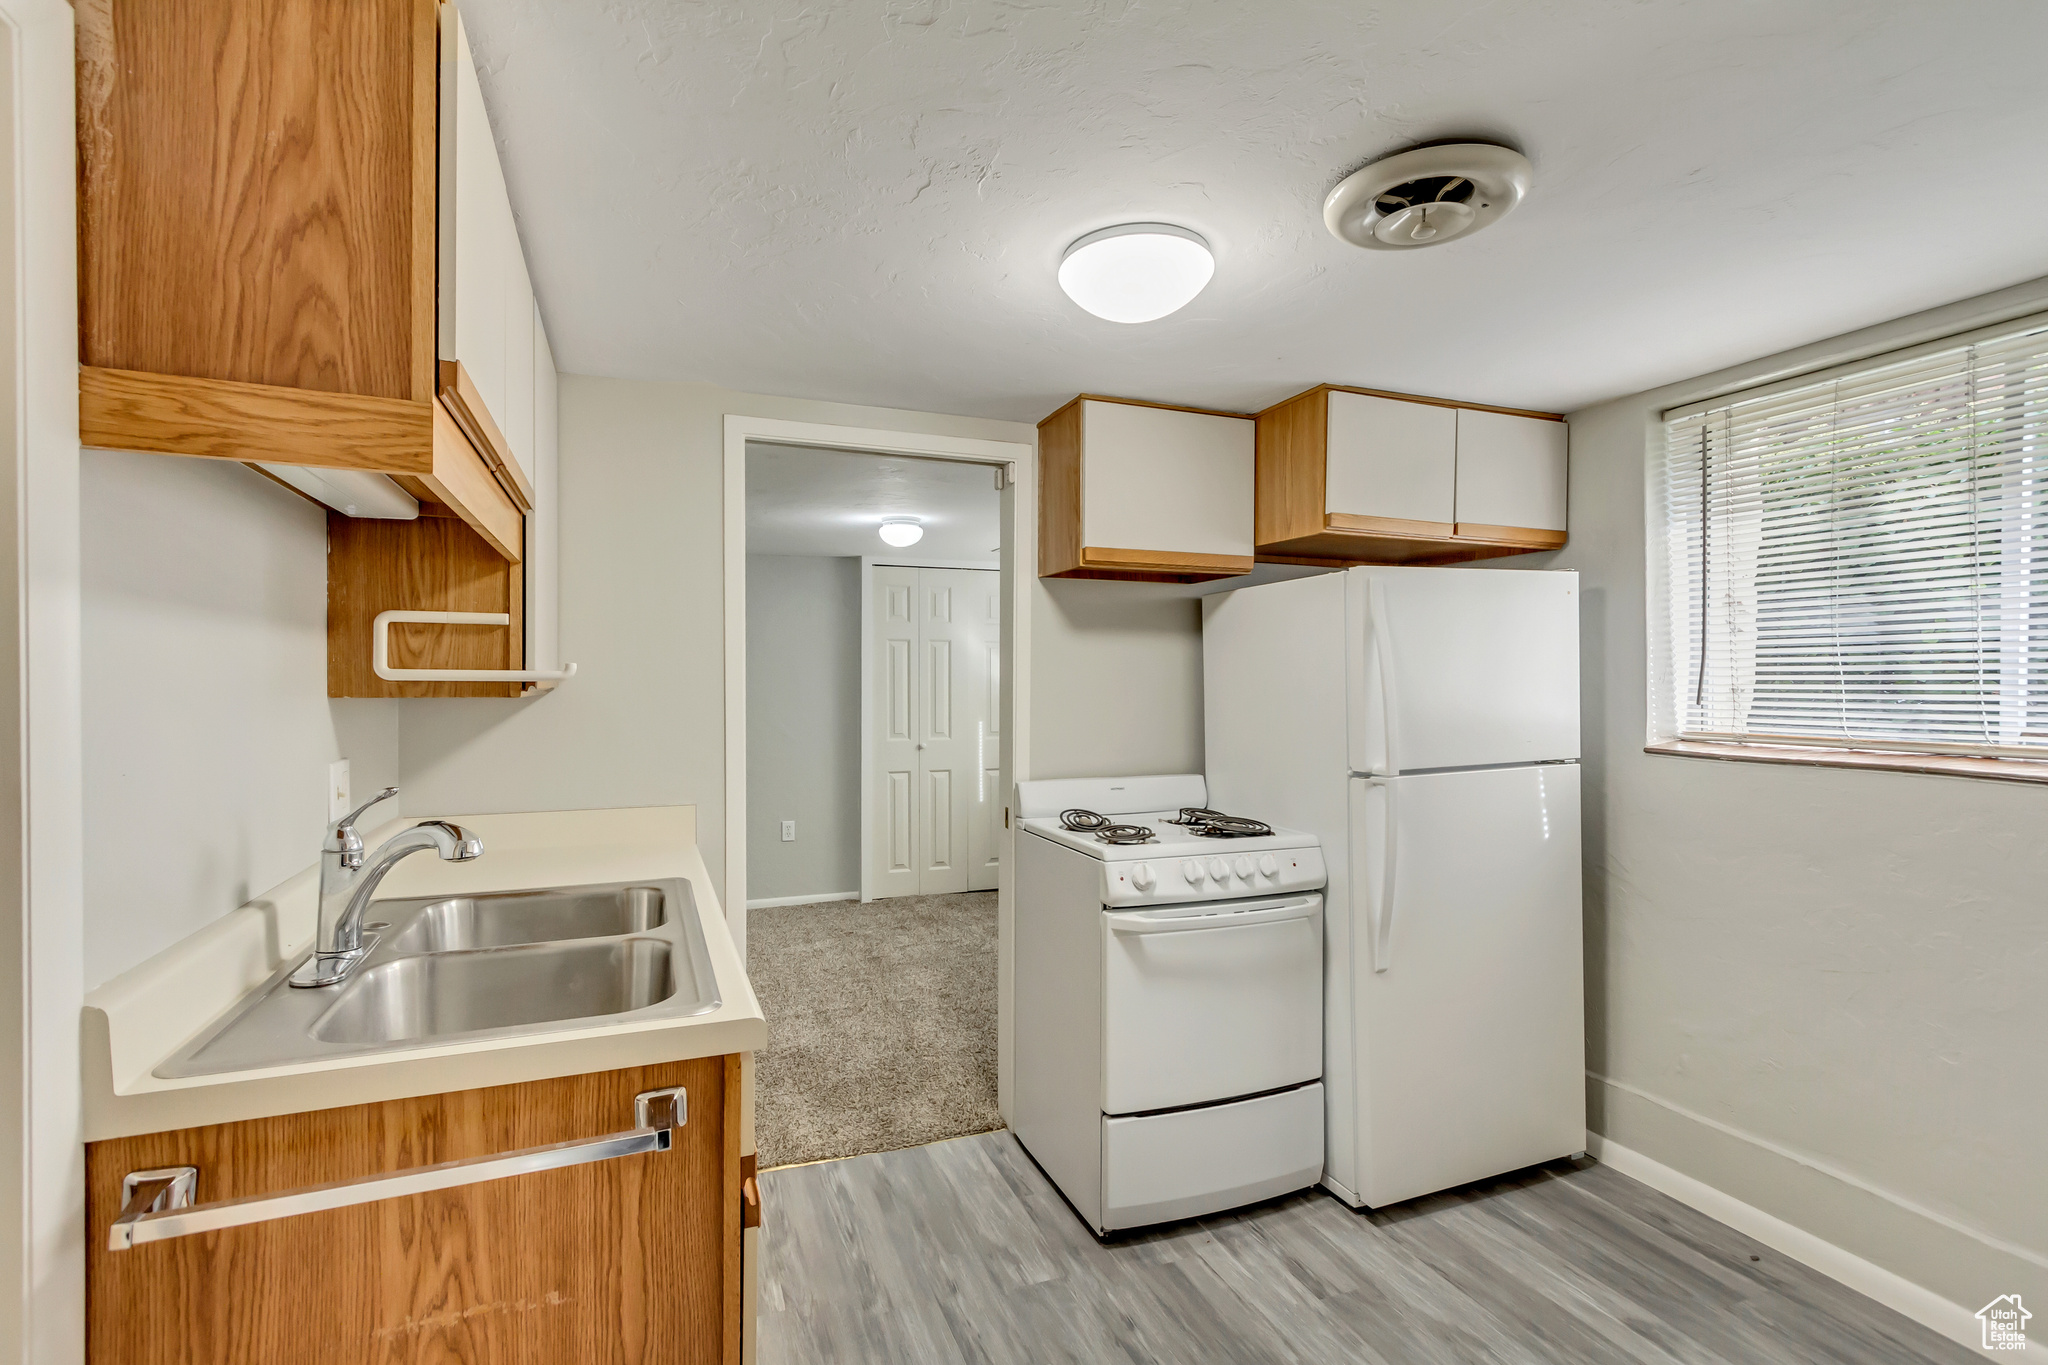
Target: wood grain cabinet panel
1356 476
295 247
634 1260
1144 491
256 191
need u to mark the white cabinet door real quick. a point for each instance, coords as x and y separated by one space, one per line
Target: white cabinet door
1164 480
543 524
516 420
1392 459
471 313
1511 470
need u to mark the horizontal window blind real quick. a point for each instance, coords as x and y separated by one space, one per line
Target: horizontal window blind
1861 560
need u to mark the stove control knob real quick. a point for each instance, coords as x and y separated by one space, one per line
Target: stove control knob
1219 869
1243 867
1269 865
1192 870
1142 878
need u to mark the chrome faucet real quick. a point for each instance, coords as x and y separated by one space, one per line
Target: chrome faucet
348 879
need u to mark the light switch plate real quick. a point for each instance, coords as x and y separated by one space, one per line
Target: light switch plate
338 803
789 831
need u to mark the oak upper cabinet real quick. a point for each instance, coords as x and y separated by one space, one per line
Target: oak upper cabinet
593 1252
257 255
295 251
1352 476
485 335
1143 491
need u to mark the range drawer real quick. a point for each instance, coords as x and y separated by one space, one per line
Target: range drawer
1158 1167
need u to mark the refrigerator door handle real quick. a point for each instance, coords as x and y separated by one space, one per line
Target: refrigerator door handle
1383 655
1382 926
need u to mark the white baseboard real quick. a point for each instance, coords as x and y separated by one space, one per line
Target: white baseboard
1895 1292
818 899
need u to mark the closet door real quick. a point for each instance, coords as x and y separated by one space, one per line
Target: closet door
893 775
947 760
934 789
985 811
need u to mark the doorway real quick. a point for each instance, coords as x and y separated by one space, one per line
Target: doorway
874 767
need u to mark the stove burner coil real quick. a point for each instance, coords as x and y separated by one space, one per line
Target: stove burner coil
1088 822
1214 824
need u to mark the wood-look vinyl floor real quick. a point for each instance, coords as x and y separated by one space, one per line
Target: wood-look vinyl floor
962 1251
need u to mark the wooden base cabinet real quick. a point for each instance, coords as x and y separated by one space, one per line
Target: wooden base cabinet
1352 476
628 1260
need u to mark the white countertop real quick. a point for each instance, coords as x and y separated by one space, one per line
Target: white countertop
135 1021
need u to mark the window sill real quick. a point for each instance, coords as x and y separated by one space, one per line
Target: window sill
1941 765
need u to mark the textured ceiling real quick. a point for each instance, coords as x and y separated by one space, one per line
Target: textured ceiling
802 501
867 200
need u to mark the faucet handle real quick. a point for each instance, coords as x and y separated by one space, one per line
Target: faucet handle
344 831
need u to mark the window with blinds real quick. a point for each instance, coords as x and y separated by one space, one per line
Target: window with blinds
1859 559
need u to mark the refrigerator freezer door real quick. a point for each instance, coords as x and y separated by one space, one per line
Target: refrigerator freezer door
1469 1013
1461 668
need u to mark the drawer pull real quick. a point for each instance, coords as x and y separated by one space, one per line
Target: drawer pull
157 1205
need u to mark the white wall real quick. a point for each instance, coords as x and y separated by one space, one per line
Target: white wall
803 725
1820 991
208 729
1116 679
642 723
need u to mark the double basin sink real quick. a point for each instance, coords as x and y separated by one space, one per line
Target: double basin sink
464 968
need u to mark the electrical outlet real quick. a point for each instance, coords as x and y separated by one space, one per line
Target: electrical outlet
789 831
338 803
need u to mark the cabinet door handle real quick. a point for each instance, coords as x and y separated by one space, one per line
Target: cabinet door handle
158 1204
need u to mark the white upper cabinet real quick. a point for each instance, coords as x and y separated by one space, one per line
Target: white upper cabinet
519 375
1347 476
1392 460
1165 480
543 525
484 323
1133 490
1511 471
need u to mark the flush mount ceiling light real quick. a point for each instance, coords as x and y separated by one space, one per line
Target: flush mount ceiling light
1427 196
1136 272
902 531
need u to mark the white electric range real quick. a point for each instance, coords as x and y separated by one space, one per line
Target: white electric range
1169 978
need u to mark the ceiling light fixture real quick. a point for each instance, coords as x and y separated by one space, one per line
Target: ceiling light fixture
902 531
1136 272
1426 196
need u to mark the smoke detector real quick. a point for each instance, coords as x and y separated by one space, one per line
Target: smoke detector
1427 196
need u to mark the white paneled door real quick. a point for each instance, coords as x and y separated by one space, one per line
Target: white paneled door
933 790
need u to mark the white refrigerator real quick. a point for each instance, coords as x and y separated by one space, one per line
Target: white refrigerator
1424 724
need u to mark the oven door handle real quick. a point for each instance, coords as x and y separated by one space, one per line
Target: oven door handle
1187 924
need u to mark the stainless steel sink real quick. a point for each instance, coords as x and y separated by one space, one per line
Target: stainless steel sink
442 994
498 921
502 964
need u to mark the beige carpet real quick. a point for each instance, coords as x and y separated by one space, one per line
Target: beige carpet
881 1024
